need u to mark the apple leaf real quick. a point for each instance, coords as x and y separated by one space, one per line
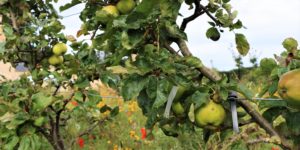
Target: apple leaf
7 117
292 120
161 95
69 5
272 113
2 47
199 98
242 44
193 61
13 141
133 86
213 34
41 101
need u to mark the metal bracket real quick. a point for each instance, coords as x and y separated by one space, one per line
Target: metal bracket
232 98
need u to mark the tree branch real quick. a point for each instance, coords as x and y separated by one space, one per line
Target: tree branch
209 15
13 20
262 122
198 12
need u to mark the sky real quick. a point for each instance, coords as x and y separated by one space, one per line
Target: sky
267 22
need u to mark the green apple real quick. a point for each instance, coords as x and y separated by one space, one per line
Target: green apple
177 108
180 91
289 87
59 48
211 114
55 60
290 44
125 6
267 65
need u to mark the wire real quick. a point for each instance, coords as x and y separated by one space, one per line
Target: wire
71 15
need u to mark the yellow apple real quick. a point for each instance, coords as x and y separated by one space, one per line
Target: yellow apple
106 13
211 114
125 6
289 87
55 60
59 48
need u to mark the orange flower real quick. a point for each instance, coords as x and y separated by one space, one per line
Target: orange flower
132 134
101 104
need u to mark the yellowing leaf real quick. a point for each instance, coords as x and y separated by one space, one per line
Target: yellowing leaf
118 69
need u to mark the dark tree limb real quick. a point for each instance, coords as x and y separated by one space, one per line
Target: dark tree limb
198 12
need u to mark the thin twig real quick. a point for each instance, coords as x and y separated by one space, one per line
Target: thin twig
209 15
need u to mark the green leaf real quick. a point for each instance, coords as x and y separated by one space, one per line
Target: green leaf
78 96
82 83
193 61
238 145
114 111
274 103
41 101
24 143
198 98
292 120
173 30
69 5
18 119
238 24
213 34
13 141
144 102
94 96
8 116
241 88
3 2
242 44
272 113
130 40
132 86
169 11
5 89
161 95
36 141
2 47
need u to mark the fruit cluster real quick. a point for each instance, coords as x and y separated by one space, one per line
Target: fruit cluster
111 11
58 51
210 115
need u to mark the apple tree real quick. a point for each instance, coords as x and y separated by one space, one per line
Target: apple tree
140 61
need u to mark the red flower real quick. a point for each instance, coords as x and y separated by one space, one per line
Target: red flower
74 103
275 148
80 142
144 133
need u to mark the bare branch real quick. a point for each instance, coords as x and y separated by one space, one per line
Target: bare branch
13 20
209 15
198 12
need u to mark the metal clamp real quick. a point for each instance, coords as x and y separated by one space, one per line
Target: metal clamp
232 99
